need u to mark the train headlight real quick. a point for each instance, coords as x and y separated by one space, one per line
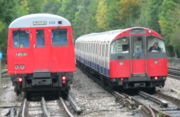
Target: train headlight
16 66
156 61
22 66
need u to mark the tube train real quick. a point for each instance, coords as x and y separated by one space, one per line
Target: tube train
40 53
124 58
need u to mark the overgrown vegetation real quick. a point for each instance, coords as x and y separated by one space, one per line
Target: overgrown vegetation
89 16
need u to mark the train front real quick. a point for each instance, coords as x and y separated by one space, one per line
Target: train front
138 59
40 53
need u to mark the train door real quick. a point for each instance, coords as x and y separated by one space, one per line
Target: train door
41 50
138 64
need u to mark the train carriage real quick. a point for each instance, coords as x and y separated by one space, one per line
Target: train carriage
40 53
131 58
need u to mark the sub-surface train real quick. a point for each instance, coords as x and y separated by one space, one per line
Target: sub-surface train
40 53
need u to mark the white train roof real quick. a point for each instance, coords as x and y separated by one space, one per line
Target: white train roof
39 20
106 36
102 36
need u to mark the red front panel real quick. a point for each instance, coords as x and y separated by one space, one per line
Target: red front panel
151 67
157 67
120 68
138 66
14 60
47 58
62 59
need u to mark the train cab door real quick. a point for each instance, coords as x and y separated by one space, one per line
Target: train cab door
138 64
41 51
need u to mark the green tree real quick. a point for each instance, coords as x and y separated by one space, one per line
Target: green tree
36 6
168 21
129 12
101 17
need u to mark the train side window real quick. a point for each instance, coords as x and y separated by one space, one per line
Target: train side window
59 37
40 38
21 39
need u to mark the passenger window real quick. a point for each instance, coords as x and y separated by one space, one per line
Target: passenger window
120 46
40 38
59 37
21 39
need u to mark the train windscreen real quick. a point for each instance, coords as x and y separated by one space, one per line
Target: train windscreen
155 44
21 39
120 46
59 37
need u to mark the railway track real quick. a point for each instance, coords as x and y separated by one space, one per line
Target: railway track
162 104
125 99
155 105
49 108
174 73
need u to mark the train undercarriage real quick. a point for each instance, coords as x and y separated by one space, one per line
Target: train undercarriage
42 81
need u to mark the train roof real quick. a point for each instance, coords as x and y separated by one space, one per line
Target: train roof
39 20
108 36
102 36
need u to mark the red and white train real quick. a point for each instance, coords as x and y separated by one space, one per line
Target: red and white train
130 58
40 53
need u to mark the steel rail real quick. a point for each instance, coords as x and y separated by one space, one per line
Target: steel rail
74 105
154 99
24 108
66 108
44 107
170 98
125 98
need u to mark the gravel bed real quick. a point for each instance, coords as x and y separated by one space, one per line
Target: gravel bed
171 84
8 98
95 101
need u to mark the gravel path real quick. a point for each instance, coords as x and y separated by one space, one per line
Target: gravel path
95 101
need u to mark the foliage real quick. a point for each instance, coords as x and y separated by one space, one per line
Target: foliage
89 16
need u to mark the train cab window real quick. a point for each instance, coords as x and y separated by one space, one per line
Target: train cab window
155 45
59 37
21 39
138 44
40 38
120 46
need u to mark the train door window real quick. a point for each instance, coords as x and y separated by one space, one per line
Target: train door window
40 38
59 37
155 44
120 46
138 46
21 39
